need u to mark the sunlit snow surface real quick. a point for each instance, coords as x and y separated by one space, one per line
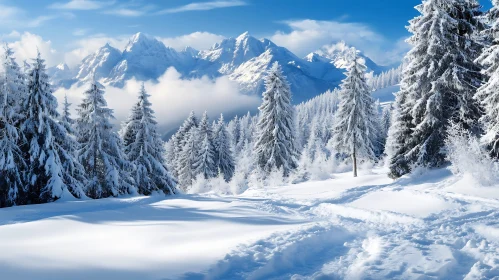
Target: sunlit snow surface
431 226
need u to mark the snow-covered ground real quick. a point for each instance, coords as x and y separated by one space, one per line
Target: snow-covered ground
431 226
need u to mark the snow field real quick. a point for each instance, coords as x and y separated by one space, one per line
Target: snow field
430 226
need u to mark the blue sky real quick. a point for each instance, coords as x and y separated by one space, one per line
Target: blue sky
70 29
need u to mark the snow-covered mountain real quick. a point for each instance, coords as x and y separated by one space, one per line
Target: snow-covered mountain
99 63
61 74
147 58
340 54
244 59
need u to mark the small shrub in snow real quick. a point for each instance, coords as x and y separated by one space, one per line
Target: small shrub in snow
468 156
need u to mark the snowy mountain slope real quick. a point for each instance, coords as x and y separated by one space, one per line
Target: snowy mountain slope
303 76
431 226
224 57
62 74
147 58
386 95
341 55
98 64
244 59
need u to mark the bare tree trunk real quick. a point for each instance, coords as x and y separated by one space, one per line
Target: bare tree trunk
354 158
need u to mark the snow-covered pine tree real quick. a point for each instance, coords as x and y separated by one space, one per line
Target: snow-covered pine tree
187 158
384 126
12 163
179 139
101 150
355 129
45 140
487 94
441 78
129 128
234 128
223 153
205 161
275 146
14 84
400 131
72 170
146 151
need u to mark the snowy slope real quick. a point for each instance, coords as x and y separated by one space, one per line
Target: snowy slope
62 74
98 64
386 95
432 226
306 81
244 59
341 55
146 58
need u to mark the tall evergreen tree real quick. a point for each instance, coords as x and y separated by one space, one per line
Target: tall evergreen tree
45 140
446 94
146 151
12 163
14 84
101 150
439 84
73 172
205 161
355 129
223 153
187 158
487 94
276 144
400 130
179 140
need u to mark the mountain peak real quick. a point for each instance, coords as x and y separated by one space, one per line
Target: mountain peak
243 36
143 40
63 67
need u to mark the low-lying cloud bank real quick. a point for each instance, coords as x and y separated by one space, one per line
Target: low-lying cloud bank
173 98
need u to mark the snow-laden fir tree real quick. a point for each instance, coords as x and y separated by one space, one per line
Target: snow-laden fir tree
128 130
73 172
223 152
205 161
146 150
179 140
275 146
234 128
440 80
400 131
384 126
488 93
14 84
12 163
101 150
187 158
45 141
354 132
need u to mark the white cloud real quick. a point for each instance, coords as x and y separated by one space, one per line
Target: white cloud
80 32
88 45
12 35
28 44
204 6
173 98
14 17
309 35
197 40
125 12
131 9
81 5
